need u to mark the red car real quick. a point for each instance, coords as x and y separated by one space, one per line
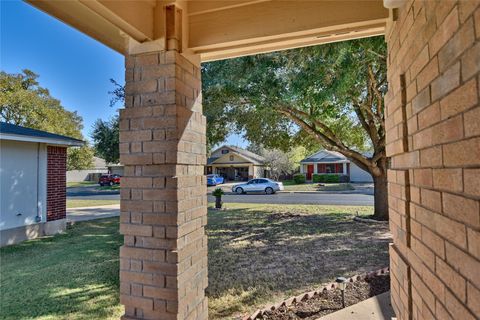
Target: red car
109 179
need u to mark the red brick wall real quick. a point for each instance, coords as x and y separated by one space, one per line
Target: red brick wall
56 183
433 139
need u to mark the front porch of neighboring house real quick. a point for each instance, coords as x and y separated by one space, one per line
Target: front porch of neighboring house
238 172
236 164
311 168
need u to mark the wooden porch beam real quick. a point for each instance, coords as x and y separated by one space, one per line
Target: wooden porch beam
288 23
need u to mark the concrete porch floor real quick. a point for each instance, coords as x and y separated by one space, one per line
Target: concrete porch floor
375 308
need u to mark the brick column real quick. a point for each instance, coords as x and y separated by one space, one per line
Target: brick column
163 262
433 139
56 183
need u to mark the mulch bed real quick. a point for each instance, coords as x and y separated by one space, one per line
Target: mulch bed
331 300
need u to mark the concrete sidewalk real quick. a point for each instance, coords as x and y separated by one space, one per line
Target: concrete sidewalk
92 213
375 308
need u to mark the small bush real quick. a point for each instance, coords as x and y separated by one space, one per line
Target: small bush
316 178
299 178
328 178
218 192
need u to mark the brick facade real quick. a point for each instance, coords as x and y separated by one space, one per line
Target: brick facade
56 183
433 139
163 262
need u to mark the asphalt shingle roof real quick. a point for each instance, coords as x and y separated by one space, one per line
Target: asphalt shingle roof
331 156
7 128
253 157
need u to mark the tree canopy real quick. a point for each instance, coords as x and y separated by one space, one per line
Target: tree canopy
331 95
106 141
24 102
271 98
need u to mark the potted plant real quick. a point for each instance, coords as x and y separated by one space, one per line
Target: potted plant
218 193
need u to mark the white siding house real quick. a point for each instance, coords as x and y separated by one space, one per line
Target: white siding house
331 162
32 183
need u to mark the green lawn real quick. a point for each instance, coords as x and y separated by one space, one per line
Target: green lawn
257 254
80 184
114 187
89 203
292 186
69 276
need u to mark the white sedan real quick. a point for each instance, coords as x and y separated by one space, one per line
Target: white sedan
258 185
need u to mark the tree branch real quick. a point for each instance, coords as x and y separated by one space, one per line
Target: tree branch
329 138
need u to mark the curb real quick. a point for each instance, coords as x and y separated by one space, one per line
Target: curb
310 294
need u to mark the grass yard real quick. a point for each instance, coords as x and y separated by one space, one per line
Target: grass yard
75 203
80 184
316 187
69 276
257 254
264 253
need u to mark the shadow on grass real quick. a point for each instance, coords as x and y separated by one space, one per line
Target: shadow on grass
257 254
269 255
69 276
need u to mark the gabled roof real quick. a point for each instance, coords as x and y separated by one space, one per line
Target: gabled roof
18 133
212 160
325 156
248 155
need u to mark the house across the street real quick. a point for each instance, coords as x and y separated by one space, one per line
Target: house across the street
331 162
32 183
234 163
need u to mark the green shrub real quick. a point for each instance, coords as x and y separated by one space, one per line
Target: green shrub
317 178
218 192
332 178
327 178
299 178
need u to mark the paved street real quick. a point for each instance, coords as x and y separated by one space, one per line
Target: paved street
92 193
353 198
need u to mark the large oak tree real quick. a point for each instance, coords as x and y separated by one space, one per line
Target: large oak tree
332 93
25 103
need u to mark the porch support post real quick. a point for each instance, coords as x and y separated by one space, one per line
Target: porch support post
344 168
163 262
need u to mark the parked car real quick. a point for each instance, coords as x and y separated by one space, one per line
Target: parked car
116 178
109 179
258 185
214 179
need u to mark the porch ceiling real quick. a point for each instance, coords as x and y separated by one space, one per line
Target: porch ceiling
221 29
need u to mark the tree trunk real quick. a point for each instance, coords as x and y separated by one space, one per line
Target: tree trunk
381 197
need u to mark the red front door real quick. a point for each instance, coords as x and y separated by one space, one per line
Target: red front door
309 171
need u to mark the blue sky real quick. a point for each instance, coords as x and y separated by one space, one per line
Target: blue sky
75 68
